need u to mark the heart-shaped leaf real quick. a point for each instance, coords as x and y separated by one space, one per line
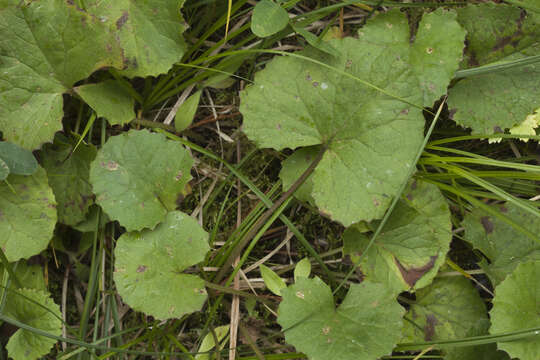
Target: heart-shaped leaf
516 307
149 267
24 344
137 177
68 176
27 215
412 245
366 325
372 137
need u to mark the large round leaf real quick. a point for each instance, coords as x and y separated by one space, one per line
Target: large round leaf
27 215
137 177
503 244
516 306
35 308
149 264
372 137
366 325
412 245
45 47
68 175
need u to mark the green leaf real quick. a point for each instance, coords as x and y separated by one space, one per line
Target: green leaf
18 160
137 177
272 280
412 245
449 308
91 220
502 244
294 166
186 112
302 269
149 33
495 31
372 138
477 352
492 102
366 325
30 276
27 215
24 344
149 264
109 100
208 342
316 42
4 170
37 65
268 18
516 307
68 176
529 5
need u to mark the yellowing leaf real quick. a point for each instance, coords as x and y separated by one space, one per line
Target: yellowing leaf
208 342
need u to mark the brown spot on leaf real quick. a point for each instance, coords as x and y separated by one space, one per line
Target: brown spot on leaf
404 112
326 330
497 130
141 268
308 77
451 113
110 165
376 202
504 209
179 175
412 275
278 126
409 197
315 84
487 224
513 39
122 20
429 329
